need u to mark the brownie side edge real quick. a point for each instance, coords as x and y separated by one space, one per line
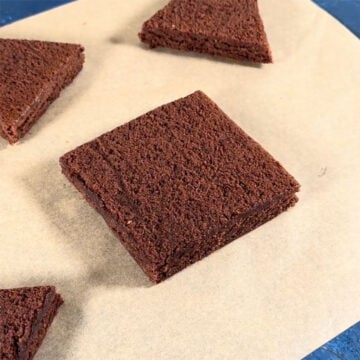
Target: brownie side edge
227 49
44 325
235 229
142 256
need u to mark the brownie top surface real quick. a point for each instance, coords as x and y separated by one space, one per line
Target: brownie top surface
19 311
179 171
237 20
26 69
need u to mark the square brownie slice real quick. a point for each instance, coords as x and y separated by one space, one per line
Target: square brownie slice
227 28
25 316
179 182
32 75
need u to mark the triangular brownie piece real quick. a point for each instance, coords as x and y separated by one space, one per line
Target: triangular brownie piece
32 74
227 28
25 316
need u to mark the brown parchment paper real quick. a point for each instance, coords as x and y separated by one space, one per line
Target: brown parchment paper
277 293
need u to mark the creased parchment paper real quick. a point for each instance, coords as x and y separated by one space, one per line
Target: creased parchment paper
275 294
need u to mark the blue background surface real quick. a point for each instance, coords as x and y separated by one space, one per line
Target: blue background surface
346 11
346 346
12 10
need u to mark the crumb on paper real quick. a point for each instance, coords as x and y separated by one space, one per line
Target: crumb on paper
323 171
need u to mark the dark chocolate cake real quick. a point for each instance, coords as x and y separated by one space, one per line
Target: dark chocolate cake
227 28
179 182
32 74
25 316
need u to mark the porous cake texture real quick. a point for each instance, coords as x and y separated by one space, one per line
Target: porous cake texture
227 28
32 75
179 182
25 316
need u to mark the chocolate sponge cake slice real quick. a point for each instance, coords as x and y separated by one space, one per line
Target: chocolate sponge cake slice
25 316
227 28
32 74
179 182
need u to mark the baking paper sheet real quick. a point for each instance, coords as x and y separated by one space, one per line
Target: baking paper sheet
277 293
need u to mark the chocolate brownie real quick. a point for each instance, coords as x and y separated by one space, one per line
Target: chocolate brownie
227 28
32 74
25 316
179 182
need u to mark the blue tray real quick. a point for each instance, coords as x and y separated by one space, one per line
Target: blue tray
346 11
345 346
13 10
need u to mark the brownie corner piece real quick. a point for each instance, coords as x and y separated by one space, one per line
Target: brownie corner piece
32 75
230 29
179 182
25 316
